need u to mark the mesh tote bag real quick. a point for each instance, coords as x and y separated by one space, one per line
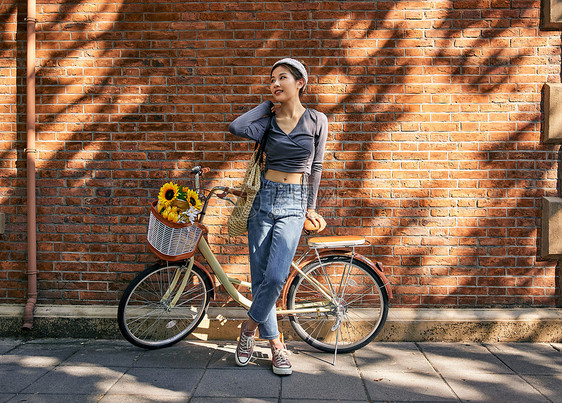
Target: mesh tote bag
238 220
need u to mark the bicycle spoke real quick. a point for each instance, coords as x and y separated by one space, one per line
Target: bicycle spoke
357 301
146 317
343 281
361 295
315 330
328 281
151 326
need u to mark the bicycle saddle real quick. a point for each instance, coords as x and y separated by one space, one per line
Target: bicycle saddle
336 241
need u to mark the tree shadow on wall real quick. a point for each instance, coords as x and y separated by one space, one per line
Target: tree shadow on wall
167 79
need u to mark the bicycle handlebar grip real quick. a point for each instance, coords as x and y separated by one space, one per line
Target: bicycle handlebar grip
200 170
237 192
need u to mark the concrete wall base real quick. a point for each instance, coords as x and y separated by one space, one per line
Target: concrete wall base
403 324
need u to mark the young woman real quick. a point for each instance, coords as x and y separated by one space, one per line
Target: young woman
294 151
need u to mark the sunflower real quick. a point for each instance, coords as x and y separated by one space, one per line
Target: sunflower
193 199
168 193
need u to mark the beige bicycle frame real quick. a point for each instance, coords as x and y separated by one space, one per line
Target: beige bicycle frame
172 286
228 283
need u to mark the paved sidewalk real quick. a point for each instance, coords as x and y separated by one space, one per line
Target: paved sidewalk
70 370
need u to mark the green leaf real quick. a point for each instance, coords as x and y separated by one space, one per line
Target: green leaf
182 193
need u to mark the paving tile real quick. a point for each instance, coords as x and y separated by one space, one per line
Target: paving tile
302 356
305 358
55 398
58 342
223 357
231 400
466 357
526 358
111 342
7 345
201 372
181 355
321 401
493 388
549 386
143 399
406 386
39 355
14 378
81 380
173 382
239 383
328 384
105 354
401 357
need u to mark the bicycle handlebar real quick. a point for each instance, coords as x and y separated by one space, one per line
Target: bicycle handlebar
309 227
198 171
235 192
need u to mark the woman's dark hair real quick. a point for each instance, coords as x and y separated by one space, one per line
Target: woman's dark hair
297 75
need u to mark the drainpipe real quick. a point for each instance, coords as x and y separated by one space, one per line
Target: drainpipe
31 152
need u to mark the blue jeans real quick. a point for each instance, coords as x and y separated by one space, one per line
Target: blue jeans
274 229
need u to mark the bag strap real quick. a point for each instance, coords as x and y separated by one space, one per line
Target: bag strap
261 145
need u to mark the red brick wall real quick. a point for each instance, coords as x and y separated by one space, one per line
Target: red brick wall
433 152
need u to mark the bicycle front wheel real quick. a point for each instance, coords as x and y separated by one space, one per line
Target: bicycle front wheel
159 309
351 318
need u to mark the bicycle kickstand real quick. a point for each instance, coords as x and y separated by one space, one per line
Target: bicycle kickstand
336 326
336 349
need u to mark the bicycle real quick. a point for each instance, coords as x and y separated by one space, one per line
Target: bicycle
336 299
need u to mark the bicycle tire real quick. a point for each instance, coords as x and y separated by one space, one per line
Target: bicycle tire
363 310
144 316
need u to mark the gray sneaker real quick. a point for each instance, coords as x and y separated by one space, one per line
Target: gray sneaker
280 361
245 346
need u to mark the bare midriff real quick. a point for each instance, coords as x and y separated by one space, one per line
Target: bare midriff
283 177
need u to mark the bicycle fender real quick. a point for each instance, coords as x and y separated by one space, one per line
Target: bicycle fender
209 276
377 268
208 273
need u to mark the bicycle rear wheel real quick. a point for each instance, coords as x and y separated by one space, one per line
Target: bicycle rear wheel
148 317
355 315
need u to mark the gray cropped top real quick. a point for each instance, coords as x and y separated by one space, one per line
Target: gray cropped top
301 150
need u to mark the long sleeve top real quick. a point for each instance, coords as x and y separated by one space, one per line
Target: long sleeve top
301 150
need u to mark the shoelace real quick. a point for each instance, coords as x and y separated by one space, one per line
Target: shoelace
281 357
245 343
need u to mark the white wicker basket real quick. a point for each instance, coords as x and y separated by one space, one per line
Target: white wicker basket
172 241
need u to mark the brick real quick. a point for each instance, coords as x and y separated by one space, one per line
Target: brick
433 148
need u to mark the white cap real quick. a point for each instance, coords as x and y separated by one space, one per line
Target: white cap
296 64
